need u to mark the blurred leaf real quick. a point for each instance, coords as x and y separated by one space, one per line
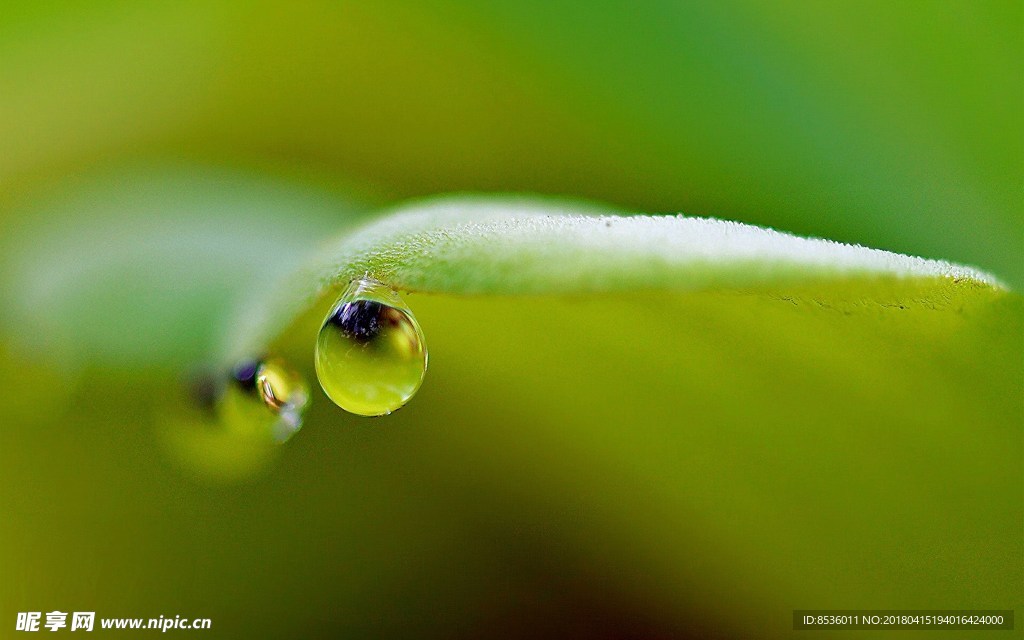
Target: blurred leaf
137 265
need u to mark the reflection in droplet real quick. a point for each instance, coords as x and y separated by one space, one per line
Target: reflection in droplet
370 354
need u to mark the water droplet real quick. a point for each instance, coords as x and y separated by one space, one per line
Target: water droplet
265 397
370 354
230 424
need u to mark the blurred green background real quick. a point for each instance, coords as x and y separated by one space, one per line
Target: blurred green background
895 125
158 161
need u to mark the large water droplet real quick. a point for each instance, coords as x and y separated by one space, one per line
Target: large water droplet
370 354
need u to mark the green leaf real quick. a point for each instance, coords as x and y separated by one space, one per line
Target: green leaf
695 410
521 246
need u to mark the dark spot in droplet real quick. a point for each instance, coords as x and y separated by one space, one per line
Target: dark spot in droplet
608 224
359 320
244 374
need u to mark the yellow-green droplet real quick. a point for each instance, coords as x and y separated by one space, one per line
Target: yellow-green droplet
370 354
263 398
231 423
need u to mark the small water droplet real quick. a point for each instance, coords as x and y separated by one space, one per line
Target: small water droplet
230 424
370 353
265 396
